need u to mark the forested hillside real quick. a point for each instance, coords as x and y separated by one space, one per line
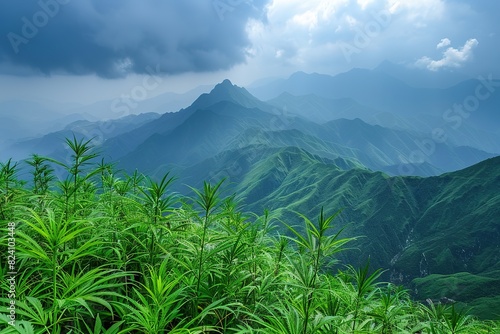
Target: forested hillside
101 251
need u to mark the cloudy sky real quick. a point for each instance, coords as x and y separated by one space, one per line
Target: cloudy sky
88 50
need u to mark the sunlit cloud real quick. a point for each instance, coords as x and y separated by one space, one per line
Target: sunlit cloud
452 57
444 42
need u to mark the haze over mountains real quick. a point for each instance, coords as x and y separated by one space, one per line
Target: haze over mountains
467 111
416 176
368 116
24 120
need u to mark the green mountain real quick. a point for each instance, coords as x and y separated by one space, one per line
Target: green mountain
125 144
411 226
229 118
201 136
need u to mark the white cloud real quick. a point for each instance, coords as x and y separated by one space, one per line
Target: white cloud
444 42
417 11
351 21
294 29
307 19
312 35
311 13
451 57
364 3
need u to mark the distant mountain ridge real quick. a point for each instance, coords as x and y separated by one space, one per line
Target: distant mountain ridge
417 77
52 144
457 108
214 120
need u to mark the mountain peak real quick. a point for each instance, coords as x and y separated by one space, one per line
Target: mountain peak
227 91
224 86
299 74
226 82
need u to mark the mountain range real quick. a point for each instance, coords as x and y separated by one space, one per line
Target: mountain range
466 111
230 117
25 120
418 189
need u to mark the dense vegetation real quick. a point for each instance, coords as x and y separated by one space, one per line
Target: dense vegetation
99 251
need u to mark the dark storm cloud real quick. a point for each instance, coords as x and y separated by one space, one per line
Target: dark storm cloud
116 37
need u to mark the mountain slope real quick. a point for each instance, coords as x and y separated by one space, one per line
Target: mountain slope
406 215
124 144
202 135
411 226
458 220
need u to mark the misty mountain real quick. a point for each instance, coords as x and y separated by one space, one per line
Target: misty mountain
468 107
376 89
124 144
456 131
24 119
321 109
230 117
52 144
128 103
417 77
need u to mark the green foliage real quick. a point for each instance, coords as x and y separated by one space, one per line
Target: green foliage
104 252
9 188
